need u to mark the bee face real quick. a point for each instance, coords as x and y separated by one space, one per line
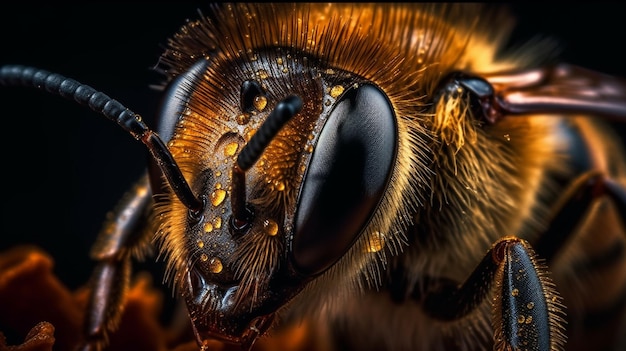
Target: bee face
342 141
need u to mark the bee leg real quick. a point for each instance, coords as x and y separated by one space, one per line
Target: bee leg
526 312
120 239
595 321
571 208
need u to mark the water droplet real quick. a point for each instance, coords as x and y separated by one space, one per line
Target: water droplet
260 102
249 134
204 258
217 222
529 319
270 227
208 227
231 149
262 74
336 91
514 292
309 148
243 118
376 242
215 265
279 60
279 185
507 137
521 319
530 305
218 196
200 243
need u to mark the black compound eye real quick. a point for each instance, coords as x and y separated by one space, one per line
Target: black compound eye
174 102
346 178
176 97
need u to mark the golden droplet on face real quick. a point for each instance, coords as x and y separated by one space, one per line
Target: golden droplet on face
262 74
521 319
249 134
243 118
376 242
215 265
208 227
231 149
217 222
336 91
279 185
507 137
309 148
279 60
514 292
200 243
204 257
530 305
260 102
270 227
218 196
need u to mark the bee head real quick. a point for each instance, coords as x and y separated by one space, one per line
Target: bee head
291 160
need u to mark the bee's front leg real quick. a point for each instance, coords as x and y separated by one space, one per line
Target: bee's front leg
120 239
526 310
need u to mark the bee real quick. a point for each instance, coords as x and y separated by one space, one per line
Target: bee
386 171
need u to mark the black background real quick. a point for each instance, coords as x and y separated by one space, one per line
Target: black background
64 167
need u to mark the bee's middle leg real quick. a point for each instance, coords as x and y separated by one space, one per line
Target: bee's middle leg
121 238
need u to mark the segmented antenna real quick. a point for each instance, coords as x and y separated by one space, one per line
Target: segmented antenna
15 75
251 153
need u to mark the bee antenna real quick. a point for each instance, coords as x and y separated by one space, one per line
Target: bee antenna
251 153
15 75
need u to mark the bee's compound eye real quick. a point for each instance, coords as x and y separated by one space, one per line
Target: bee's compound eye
346 178
176 97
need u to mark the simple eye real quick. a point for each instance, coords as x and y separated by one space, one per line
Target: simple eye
346 178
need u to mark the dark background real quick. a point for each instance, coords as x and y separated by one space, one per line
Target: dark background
64 167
